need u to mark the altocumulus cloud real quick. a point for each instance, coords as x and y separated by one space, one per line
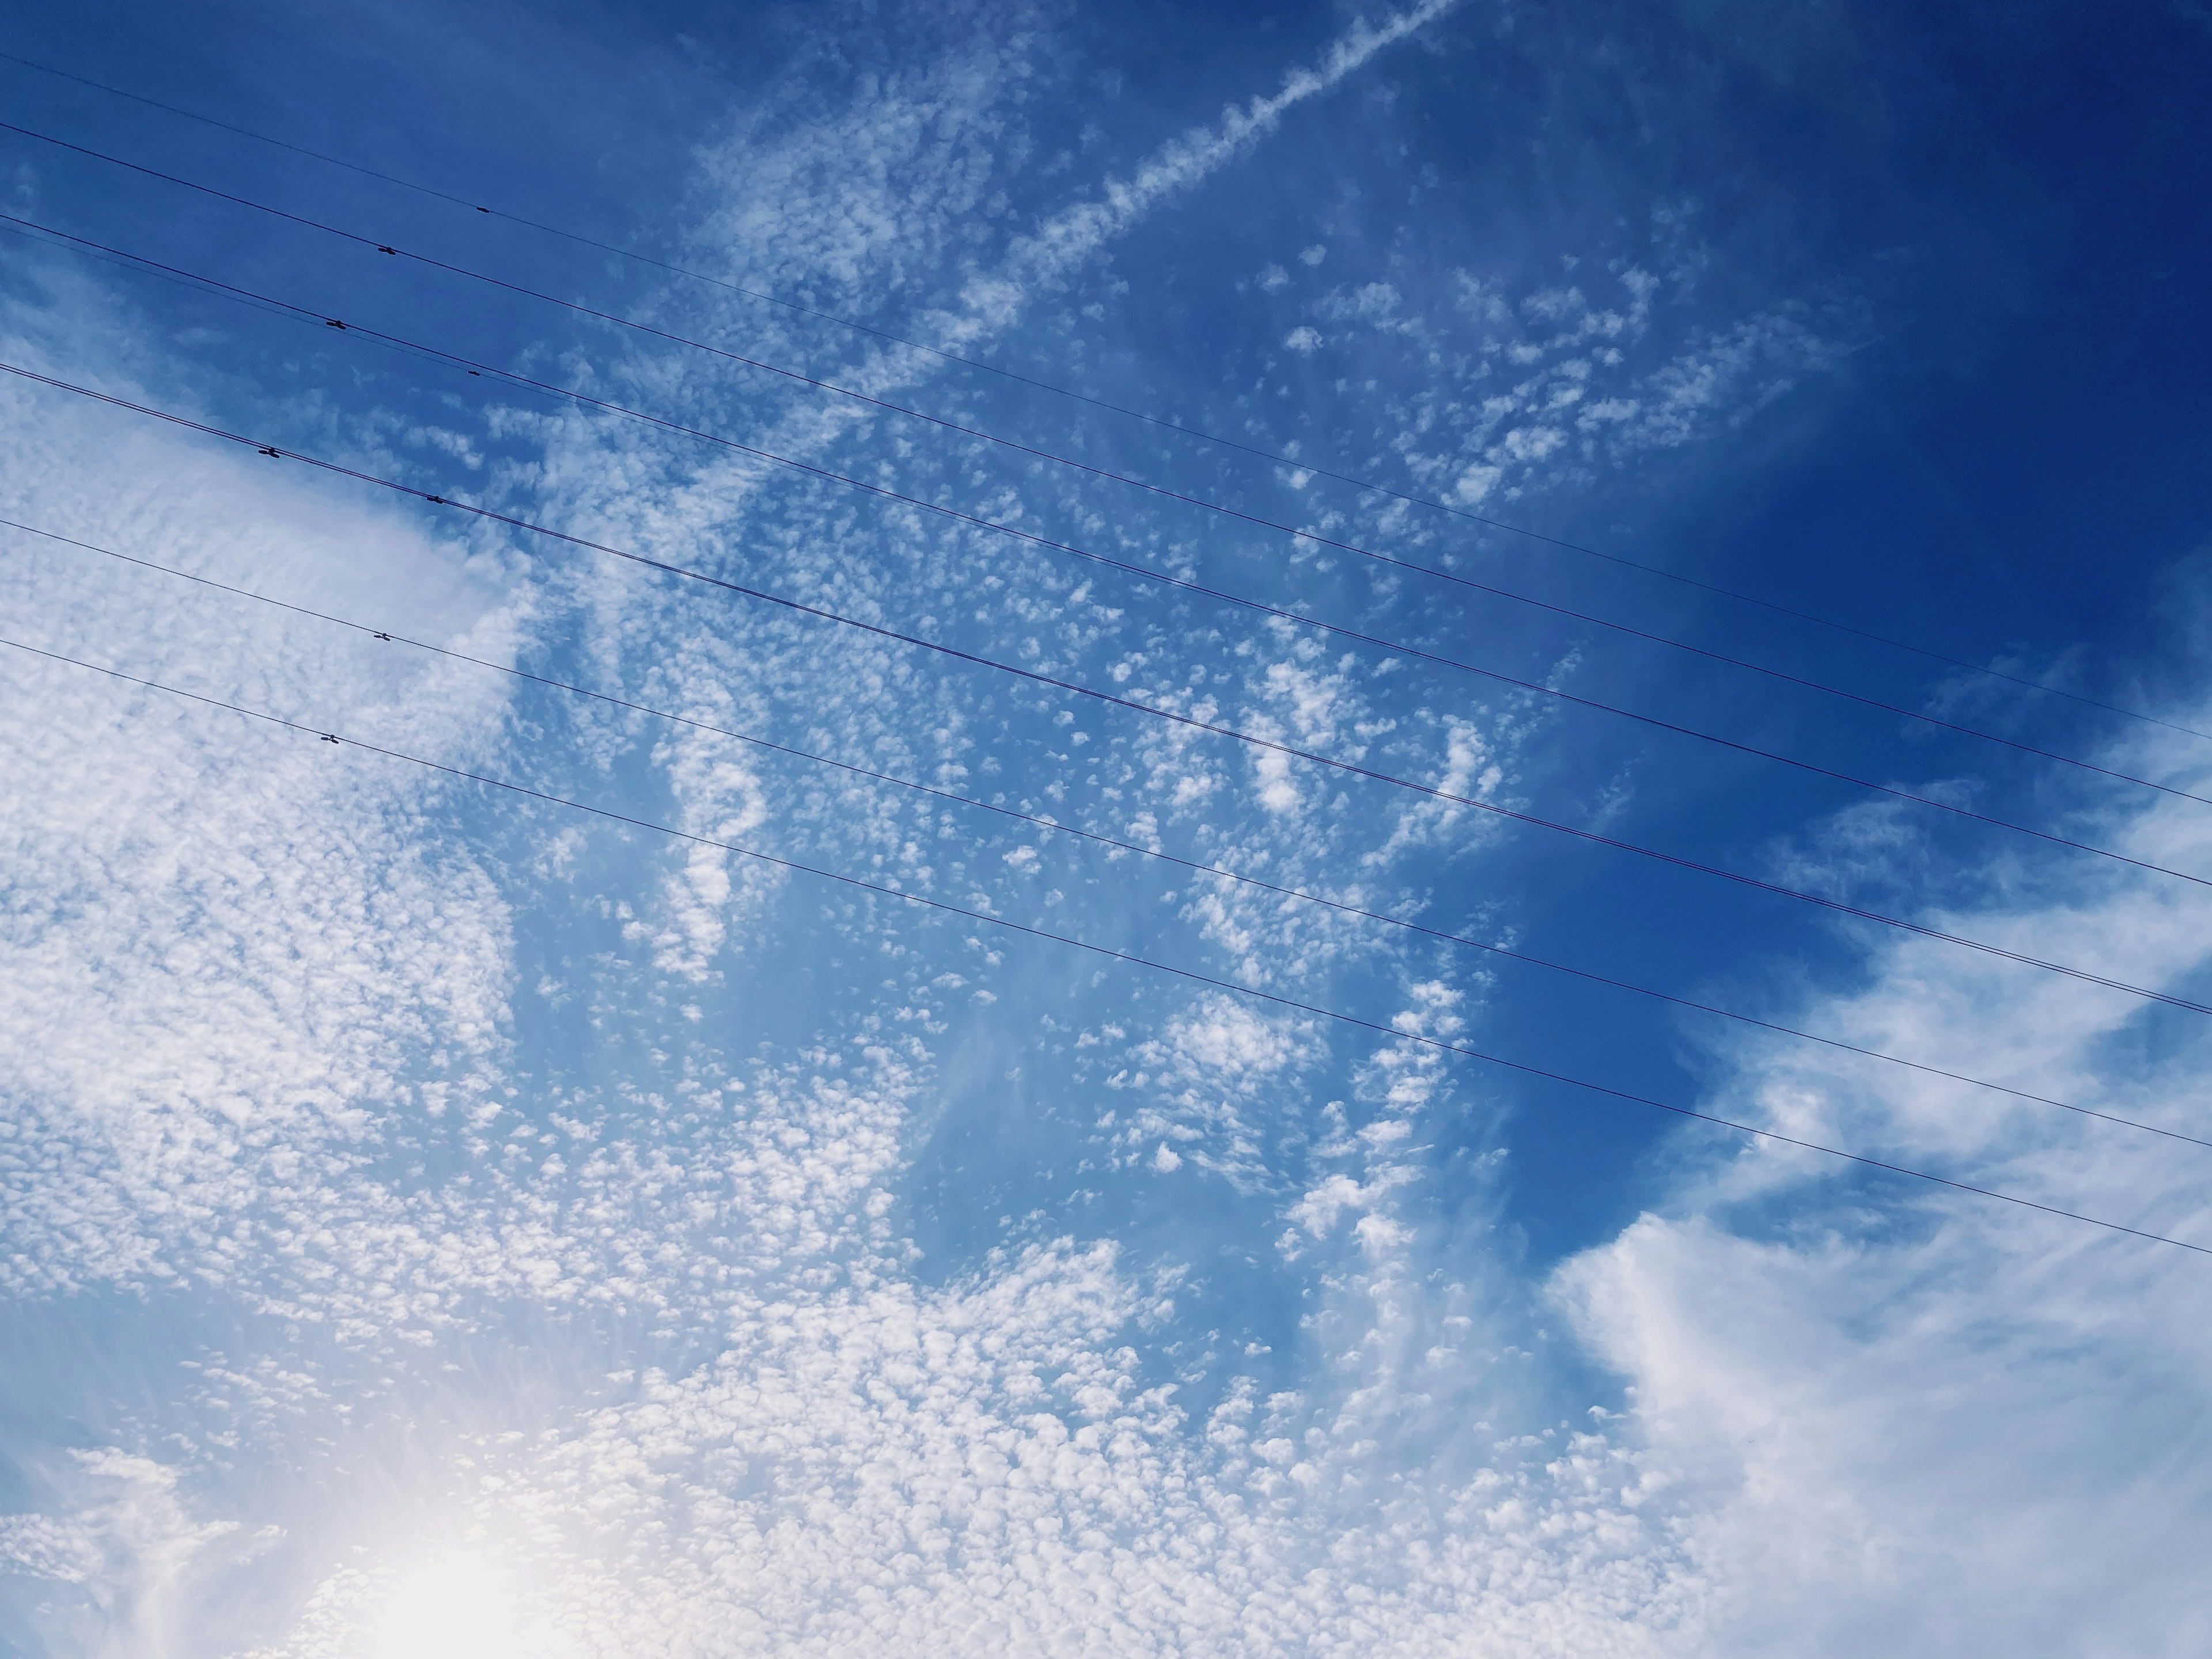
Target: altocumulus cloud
649 1340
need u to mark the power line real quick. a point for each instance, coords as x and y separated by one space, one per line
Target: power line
1129 957
481 368
1625 630
1075 688
1053 825
1177 427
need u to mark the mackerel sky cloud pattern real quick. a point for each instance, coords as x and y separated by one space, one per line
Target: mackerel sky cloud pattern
434 1219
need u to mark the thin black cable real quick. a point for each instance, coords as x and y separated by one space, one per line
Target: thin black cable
1051 826
116 259
1076 688
1467 582
481 368
1127 957
1177 427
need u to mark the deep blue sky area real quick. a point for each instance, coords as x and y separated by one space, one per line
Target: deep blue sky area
1958 165
1709 441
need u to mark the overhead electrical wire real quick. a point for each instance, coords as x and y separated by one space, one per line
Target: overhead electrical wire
1076 688
482 368
1131 959
984 918
1055 826
1625 630
1176 427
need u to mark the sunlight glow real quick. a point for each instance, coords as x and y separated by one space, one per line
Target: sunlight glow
462 1606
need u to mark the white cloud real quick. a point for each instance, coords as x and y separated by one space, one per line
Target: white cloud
1938 1416
126 1544
1727 378
1070 237
1226 1037
1477 481
233 945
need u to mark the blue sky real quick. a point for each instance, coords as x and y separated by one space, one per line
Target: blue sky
442 1220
